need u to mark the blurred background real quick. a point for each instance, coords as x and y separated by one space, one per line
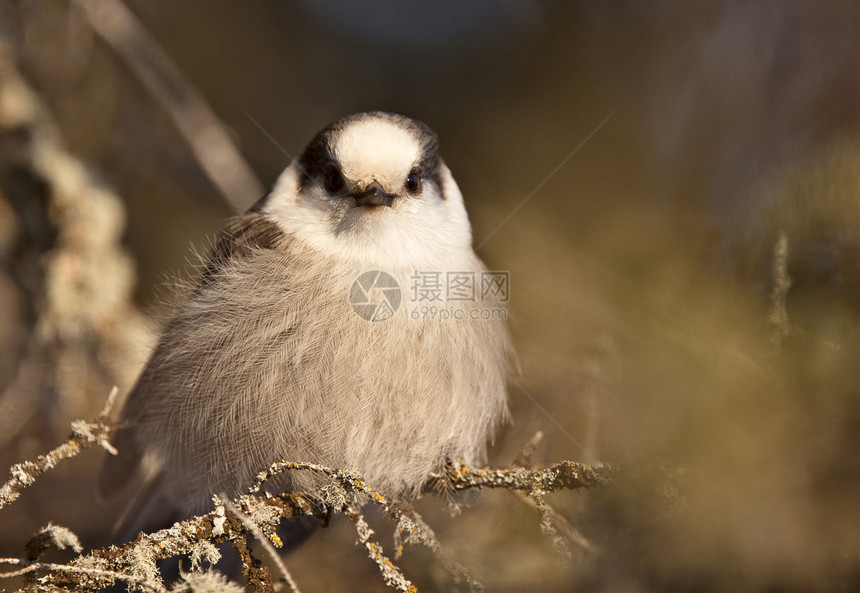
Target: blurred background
674 188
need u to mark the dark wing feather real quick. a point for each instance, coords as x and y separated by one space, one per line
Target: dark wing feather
243 235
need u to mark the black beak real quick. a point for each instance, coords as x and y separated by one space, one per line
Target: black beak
374 195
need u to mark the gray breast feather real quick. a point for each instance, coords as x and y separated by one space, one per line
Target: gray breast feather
266 360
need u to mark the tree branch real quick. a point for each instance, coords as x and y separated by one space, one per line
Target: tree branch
205 133
84 435
135 562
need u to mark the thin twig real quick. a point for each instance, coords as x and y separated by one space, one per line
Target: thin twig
420 532
559 523
93 572
205 133
546 524
392 575
84 435
264 541
352 485
778 318
109 403
524 459
254 571
409 522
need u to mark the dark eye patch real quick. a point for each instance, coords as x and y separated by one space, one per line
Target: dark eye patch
318 158
318 162
333 179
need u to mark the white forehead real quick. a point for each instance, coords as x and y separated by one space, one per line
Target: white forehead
375 148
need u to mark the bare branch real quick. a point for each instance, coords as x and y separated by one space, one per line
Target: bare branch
524 459
198 124
109 403
778 318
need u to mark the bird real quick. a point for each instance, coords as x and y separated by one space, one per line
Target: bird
308 336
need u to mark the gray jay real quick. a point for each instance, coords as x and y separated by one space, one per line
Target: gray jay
271 356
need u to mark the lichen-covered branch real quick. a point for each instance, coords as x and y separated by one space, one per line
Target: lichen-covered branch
532 484
264 541
84 435
392 575
416 531
195 538
564 475
556 525
94 573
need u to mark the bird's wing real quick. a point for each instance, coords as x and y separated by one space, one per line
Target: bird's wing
120 469
243 236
